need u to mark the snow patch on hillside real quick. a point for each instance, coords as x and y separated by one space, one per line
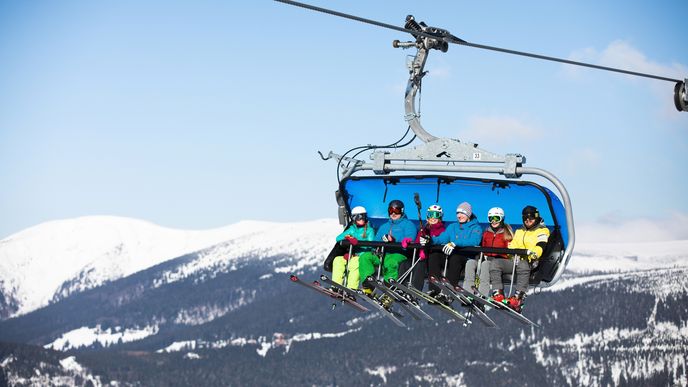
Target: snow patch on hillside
85 337
639 354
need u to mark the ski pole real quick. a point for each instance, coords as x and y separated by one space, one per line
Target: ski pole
416 198
345 281
382 261
478 270
414 263
517 258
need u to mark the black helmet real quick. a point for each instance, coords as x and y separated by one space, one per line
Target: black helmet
398 205
530 212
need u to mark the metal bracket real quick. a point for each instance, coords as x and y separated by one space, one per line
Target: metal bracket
449 150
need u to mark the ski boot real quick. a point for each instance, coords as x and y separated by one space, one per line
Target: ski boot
405 296
433 293
515 302
386 301
443 299
498 296
335 289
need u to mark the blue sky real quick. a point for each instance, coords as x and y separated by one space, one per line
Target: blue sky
196 115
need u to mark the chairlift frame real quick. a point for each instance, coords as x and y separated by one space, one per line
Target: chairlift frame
446 155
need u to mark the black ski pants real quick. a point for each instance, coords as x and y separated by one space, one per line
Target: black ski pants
455 266
420 272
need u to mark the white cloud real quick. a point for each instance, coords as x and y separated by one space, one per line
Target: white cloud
611 228
495 130
621 54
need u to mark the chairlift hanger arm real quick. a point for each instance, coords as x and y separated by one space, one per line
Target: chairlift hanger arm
440 35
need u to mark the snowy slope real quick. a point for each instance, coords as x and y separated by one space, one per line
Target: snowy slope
611 257
243 305
55 259
86 252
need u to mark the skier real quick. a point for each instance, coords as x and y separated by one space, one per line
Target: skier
359 230
396 229
434 226
532 236
466 232
497 234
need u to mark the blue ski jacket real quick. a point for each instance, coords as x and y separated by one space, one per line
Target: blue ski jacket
398 229
462 234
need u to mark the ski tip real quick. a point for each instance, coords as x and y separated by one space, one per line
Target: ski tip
293 278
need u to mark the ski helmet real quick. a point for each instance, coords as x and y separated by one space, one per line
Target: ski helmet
358 210
435 211
359 213
395 207
530 212
495 212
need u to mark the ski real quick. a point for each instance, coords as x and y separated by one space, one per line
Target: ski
322 290
362 296
407 298
429 300
498 306
473 308
404 303
377 305
327 280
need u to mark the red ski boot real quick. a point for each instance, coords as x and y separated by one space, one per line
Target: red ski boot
515 302
498 296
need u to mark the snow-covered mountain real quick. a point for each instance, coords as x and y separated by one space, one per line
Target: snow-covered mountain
215 315
53 260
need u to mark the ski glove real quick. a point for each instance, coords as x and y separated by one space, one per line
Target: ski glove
421 255
448 248
532 256
424 240
387 238
351 240
346 256
405 242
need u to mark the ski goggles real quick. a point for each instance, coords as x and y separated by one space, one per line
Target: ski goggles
395 210
434 215
358 217
495 218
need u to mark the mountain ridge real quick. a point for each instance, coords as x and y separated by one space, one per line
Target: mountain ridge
217 315
50 261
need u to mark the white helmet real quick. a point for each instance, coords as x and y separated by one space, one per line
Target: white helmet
436 208
495 211
358 210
